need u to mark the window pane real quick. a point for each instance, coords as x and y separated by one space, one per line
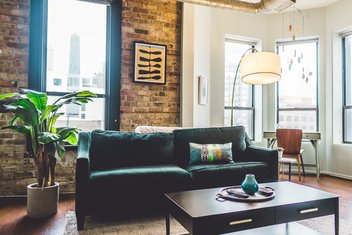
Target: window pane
86 117
348 125
243 92
348 70
298 86
241 118
305 120
76 46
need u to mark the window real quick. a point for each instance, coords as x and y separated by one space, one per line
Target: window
73 43
243 110
347 88
297 91
86 82
57 82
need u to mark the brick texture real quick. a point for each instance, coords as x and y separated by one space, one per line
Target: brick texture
154 21
15 171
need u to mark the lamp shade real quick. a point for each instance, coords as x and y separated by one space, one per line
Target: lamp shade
260 68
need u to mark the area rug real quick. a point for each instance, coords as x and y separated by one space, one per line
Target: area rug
155 225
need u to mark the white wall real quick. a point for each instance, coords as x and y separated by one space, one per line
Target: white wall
338 155
324 23
201 113
196 62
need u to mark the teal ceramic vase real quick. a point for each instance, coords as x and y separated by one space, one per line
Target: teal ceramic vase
250 185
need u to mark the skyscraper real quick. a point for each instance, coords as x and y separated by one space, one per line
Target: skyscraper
73 78
74 73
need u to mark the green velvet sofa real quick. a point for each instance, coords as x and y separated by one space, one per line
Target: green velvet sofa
128 172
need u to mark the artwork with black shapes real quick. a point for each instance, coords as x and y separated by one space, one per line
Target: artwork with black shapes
150 62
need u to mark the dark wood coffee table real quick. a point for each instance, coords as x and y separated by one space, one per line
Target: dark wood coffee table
200 213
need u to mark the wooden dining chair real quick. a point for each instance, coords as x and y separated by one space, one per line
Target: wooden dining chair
290 140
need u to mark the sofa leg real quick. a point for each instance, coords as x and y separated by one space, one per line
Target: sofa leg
80 222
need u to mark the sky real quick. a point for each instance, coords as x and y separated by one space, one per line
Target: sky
88 20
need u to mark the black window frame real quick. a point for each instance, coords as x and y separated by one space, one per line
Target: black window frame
345 107
38 52
249 108
278 109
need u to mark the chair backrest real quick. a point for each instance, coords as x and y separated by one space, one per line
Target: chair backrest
290 140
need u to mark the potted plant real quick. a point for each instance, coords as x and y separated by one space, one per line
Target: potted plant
36 118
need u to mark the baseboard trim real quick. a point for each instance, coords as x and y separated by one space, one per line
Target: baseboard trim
313 172
342 176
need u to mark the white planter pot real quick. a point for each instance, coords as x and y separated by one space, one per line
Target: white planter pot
42 202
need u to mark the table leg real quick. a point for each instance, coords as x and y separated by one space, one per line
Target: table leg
337 217
167 224
315 145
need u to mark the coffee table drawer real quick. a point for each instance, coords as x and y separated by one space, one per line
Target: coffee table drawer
236 222
306 210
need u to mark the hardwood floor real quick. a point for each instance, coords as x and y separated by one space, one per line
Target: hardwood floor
13 219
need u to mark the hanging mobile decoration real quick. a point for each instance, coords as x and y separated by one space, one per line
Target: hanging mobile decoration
294 26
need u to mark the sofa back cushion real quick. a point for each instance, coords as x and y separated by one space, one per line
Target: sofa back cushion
111 149
214 135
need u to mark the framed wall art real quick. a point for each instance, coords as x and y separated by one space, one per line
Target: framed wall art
202 90
149 63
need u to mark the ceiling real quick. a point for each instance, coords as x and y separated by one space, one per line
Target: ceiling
304 4
308 4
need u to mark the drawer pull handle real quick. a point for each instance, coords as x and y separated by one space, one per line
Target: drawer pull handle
309 210
240 222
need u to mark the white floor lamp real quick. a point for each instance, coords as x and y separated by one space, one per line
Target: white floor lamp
257 68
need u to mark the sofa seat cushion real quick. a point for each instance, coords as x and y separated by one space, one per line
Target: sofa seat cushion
140 179
218 175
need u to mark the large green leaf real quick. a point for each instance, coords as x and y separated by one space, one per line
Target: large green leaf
68 134
26 103
51 148
48 110
72 138
9 108
47 137
20 129
52 121
34 141
60 148
86 94
13 122
39 99
29 114
8 95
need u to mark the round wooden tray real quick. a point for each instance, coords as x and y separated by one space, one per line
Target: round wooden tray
257 197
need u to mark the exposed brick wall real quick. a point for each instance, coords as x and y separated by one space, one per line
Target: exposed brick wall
14 37
153 21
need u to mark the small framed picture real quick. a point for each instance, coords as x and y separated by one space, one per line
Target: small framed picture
202 90
149 63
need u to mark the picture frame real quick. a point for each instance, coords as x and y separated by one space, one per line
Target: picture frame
149 63
202 90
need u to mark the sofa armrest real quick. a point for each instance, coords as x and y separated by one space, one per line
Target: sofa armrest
255 153
82 170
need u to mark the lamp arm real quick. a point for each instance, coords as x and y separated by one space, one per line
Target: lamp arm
234 81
